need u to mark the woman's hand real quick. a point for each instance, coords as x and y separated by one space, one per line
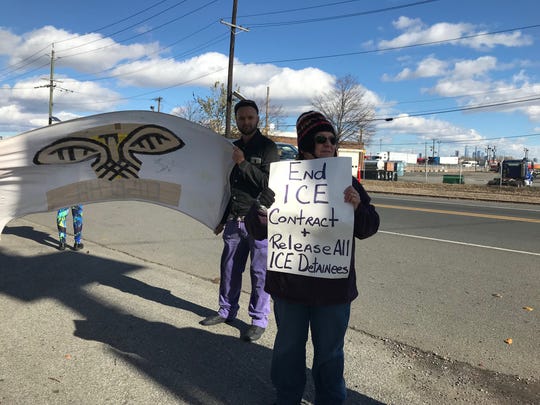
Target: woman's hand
352 196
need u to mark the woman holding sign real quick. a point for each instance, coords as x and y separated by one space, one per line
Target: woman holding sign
313 302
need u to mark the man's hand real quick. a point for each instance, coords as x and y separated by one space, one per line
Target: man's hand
219 229
238 155
267 197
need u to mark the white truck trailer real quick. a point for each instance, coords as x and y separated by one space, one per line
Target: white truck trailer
409 158
357 156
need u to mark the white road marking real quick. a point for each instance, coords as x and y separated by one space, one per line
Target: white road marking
460 243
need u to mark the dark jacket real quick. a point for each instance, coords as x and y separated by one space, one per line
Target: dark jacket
250 177
320 291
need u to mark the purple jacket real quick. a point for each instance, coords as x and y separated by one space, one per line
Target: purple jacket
312 290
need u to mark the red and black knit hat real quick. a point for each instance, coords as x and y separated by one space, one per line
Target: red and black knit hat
307 125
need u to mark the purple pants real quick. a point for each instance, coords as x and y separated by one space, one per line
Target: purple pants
237 246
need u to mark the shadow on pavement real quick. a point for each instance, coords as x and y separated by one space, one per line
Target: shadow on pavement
27 232
197 366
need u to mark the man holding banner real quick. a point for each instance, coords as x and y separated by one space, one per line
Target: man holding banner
252 156
311 276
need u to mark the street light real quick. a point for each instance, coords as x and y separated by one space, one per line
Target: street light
238 95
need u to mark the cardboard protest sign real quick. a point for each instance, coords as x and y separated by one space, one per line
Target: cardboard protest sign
310 227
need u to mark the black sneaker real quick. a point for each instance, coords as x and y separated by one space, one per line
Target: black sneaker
253 333
214 320
62 245
78 246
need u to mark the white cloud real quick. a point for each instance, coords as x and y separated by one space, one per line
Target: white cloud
25 105
509 40
473 68
416 32
431 128
8 42
471 82
428 67
82 96
14 120
202 70
72 50
402 23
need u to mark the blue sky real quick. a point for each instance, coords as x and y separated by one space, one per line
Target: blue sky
459 74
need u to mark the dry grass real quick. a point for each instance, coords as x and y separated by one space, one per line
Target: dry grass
529 195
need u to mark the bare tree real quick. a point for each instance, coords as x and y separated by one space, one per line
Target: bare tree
346 108
210 111
275 119
190 111
213 108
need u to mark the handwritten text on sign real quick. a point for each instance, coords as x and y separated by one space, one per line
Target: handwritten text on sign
310 227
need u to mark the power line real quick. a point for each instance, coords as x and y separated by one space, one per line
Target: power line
20 65
125 29
292 10
337 17
463 141
425 113
430 100
195 49
109 35
29 71
145 32
141 95
131 16
395 48
475 107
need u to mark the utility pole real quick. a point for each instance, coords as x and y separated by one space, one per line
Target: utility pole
267 103
158 99
51 87
233 27
425 159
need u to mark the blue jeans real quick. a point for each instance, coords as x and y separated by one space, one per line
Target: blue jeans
328 324
237 246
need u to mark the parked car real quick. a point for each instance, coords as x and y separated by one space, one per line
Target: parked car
287 151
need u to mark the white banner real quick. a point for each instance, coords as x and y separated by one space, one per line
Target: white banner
126 155
310 227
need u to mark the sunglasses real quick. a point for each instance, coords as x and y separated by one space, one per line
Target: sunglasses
322 139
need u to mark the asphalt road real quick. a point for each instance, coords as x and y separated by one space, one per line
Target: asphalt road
454 279
118 322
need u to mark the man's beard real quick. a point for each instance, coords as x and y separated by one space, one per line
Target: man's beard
247 133
245 130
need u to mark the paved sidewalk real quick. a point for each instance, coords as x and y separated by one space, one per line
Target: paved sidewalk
103 327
